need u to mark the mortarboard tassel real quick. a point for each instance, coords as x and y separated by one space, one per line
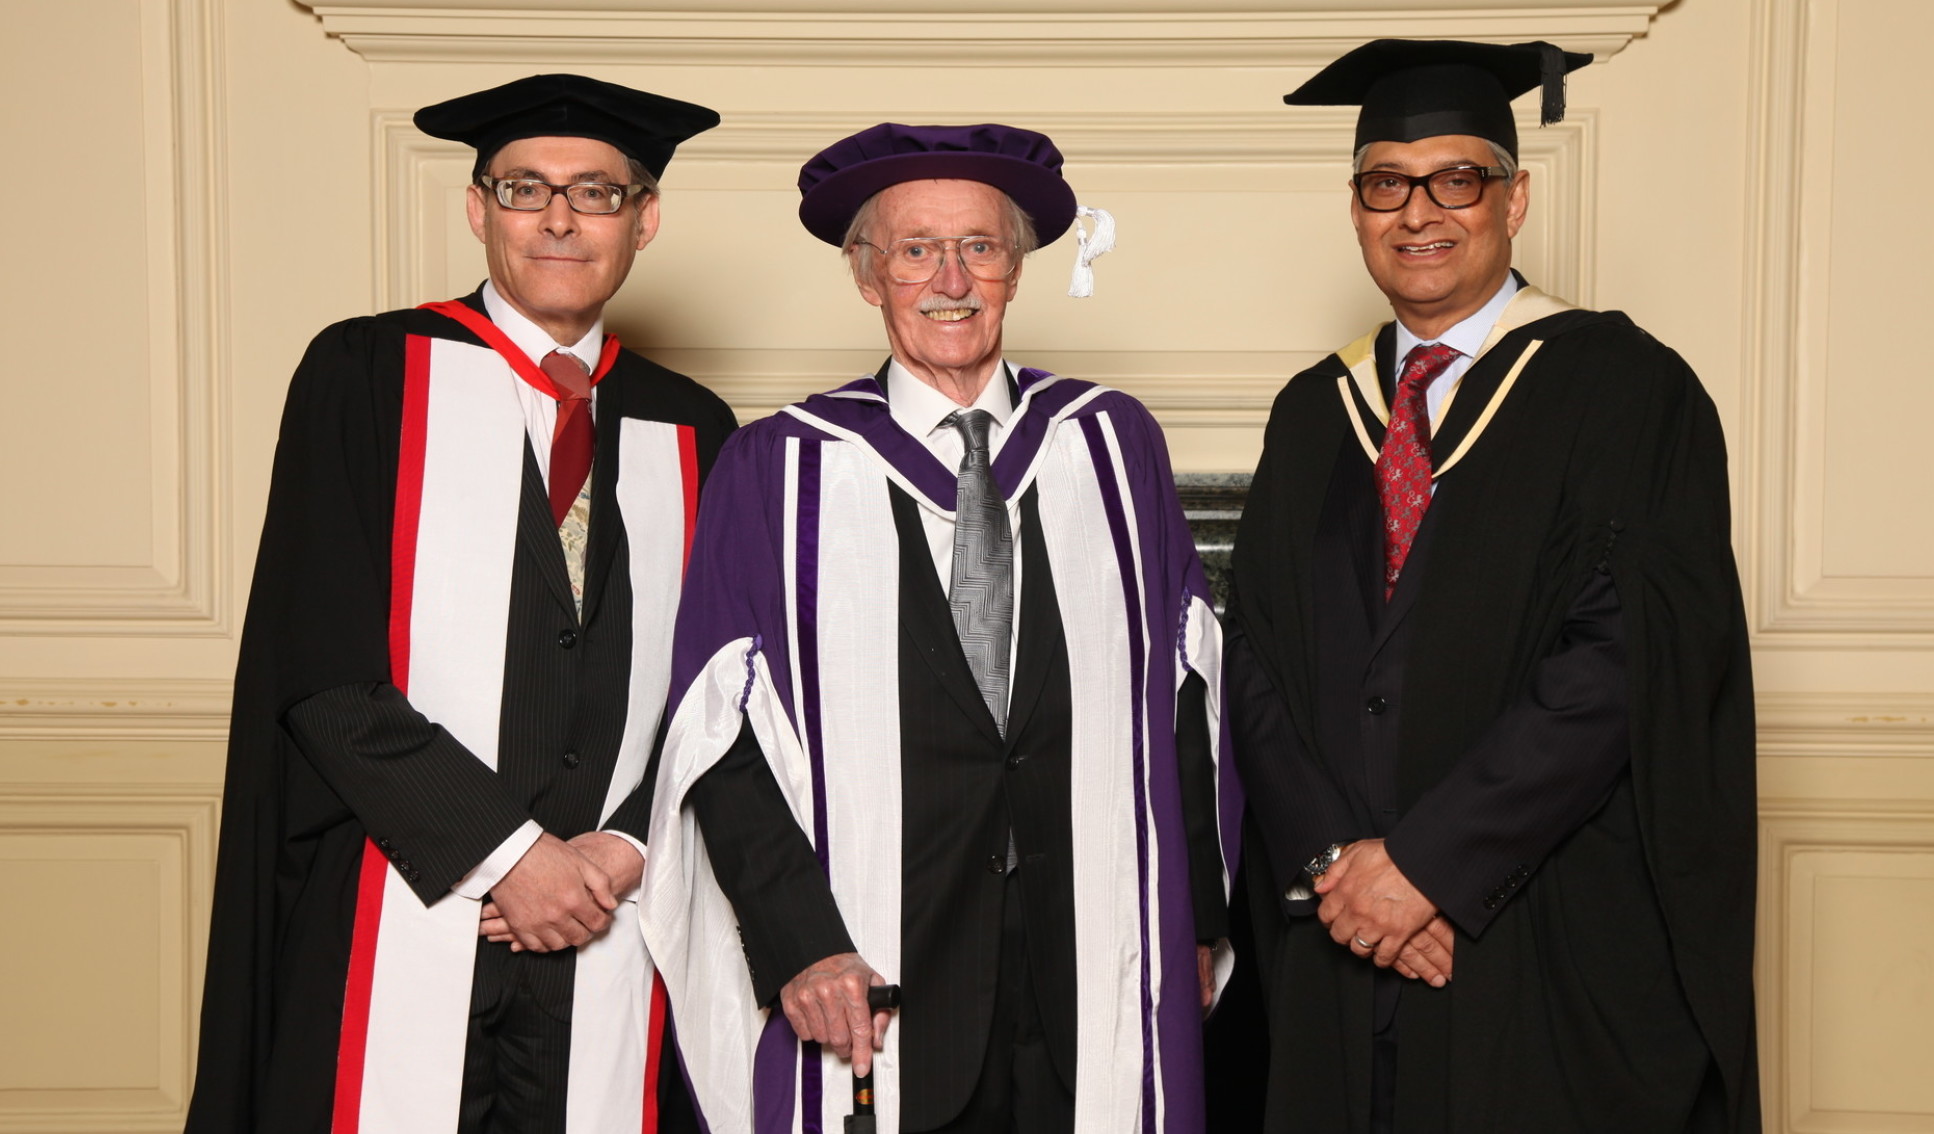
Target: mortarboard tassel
1088 248
1551 72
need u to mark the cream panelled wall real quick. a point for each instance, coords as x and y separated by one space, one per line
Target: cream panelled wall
220 178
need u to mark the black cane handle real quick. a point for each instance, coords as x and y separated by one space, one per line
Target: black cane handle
879 998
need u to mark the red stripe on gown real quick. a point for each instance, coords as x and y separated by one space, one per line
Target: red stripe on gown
374 875
480 325
654 1051
688 472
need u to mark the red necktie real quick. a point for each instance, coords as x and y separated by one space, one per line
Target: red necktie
1403 467
572 439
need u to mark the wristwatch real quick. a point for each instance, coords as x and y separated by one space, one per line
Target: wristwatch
1324 859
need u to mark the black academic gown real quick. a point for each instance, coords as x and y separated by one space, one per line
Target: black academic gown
1551 724
964 787
324 752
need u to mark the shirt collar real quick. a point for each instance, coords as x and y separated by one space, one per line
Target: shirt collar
1467 337
919 408
533 340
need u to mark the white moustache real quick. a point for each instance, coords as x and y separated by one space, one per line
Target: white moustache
932 303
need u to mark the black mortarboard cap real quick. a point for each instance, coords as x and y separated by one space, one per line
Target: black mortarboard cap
1421 88
641 125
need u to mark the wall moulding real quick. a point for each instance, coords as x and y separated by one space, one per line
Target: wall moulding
115 709
1002 33
179 590
1812 725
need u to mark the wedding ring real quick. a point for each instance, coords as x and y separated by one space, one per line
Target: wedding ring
1369 946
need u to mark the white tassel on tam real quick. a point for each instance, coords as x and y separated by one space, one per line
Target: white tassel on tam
1088 248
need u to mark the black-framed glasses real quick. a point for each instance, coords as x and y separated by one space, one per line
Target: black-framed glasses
917 259
529 195
1459 187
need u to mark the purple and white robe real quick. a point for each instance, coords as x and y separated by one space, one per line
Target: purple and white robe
790 620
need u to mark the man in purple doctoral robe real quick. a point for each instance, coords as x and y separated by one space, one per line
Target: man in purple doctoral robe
946 709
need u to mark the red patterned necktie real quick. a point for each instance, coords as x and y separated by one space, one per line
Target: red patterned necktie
572 439
1403 467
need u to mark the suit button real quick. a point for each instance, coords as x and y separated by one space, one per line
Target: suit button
1375 706
1490 903
567 638
1014 761
996 864
571 760
383 843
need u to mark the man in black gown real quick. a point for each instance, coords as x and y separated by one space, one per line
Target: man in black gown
453 669
1488 674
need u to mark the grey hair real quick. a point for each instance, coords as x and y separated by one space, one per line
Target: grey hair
859 253
1499 157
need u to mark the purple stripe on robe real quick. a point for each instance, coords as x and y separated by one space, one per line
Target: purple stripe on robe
1027 429
806 560
1027 377
772 1076
1137 667
874 423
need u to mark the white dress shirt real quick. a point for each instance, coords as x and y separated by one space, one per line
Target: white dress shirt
920 410
1467 338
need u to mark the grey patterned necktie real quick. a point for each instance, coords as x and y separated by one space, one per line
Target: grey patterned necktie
982 591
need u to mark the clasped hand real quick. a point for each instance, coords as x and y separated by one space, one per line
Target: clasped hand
560 895
1374 911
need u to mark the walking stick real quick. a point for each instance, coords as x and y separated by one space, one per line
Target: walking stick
880 998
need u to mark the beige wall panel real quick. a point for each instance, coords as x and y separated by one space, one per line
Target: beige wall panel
98 276
100 1012
1873 465
1851 889
1858 1001
1838 564
90 164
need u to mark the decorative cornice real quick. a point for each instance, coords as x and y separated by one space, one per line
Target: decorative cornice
1003 33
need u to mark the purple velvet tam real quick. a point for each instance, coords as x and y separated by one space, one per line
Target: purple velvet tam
1021 163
